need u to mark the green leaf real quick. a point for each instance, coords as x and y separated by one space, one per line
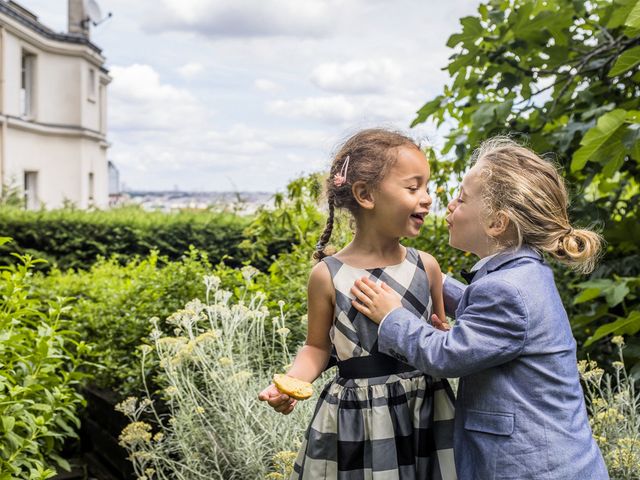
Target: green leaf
586 295
60 461
631 141
596 137
600 283
580 321
427 110
633 20
626 61
59 421
629 325
471 30
613 165
484 114
8 423
620 13
616 294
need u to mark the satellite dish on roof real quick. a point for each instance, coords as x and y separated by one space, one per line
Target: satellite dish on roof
94 14
93 11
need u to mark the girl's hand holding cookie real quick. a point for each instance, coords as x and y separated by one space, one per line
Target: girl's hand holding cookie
295 388
285 391
280 402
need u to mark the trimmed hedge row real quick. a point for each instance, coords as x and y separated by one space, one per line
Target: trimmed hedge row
74 239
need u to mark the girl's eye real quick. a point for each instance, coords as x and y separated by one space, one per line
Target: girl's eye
413 189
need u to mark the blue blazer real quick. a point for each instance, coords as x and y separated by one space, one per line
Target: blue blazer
520 410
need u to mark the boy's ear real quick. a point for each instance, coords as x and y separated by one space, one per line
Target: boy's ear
498 225
362 194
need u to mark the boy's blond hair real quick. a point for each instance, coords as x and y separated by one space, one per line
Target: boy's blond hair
531 192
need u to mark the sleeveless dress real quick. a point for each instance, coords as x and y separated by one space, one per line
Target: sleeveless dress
378 418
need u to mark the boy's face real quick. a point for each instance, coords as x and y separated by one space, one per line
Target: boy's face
467 230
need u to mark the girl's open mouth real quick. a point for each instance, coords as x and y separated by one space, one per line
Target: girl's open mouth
418 217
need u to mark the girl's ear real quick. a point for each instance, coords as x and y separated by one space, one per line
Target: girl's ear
362 194
498 225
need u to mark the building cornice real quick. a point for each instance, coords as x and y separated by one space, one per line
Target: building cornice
12 121
42 37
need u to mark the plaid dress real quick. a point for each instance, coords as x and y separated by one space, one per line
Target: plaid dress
393 426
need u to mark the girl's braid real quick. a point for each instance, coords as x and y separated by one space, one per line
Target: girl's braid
326 235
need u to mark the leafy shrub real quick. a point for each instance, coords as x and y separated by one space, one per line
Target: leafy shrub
212 368
295 219
615 299
113 305
38 399
75 239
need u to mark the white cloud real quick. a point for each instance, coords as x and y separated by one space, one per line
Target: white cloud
326 109
266 85
344 110
357 76
236 157
140 83
140 101
247 18
190 70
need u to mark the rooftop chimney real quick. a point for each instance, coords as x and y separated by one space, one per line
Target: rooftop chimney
78 18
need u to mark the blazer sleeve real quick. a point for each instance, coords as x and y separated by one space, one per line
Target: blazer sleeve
452 291
490 331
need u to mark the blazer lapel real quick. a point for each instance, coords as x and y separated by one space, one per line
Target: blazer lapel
503 258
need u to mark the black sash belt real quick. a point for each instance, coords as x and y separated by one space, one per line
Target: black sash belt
375 365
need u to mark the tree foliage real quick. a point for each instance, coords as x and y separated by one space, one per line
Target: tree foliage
565 76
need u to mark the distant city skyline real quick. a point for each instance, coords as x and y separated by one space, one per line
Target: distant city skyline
220 95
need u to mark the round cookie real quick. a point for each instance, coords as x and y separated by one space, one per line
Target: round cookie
293 387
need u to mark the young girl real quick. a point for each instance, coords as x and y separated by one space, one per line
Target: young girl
379 417
520 411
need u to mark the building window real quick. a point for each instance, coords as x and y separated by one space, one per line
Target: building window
91 188
103 109
31 200
27 83
92 85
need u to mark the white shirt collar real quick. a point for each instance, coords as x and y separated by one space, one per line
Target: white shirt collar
480 263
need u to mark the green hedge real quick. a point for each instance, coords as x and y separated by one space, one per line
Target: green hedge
70 238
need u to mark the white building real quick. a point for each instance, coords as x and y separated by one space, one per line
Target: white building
53 99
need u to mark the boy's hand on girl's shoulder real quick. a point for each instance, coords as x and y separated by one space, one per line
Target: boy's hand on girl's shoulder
280 402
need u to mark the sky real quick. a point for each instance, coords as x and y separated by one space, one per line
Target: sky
247 95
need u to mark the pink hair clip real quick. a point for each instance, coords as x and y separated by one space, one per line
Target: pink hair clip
340 179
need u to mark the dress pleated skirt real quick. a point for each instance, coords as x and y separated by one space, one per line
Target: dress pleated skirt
397 426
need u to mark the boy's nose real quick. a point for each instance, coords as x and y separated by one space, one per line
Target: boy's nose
452 205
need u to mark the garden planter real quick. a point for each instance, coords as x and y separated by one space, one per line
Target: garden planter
101 426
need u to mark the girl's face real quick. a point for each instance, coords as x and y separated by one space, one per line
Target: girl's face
467 229
402 199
